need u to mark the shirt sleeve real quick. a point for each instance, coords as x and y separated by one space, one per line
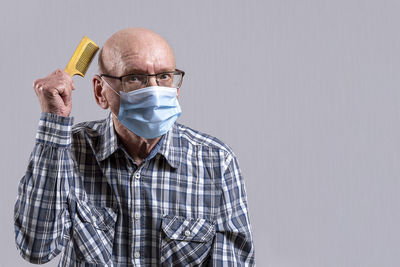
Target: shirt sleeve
41 217
233 245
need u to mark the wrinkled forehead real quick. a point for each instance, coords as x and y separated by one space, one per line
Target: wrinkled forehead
148 60
140 56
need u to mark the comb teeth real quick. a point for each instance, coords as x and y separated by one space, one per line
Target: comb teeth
83 55
86 57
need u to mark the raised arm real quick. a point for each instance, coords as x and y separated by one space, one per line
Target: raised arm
41 215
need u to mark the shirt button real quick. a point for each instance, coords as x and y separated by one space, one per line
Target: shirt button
187 233
137 175
137 254
137 216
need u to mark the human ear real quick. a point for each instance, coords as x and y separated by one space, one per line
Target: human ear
98 92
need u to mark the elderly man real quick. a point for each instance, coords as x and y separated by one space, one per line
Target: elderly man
137 188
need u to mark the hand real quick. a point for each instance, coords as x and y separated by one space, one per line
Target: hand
55 93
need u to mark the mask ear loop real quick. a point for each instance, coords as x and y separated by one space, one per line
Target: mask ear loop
114 92
110 86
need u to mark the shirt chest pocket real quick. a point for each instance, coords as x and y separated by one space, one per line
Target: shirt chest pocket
93 233
185 241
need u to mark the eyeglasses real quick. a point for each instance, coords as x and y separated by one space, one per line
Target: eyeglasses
131 82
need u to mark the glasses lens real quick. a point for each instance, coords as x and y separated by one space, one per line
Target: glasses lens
137 81
169 79
134 82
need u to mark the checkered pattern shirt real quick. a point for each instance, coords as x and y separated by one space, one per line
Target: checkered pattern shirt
84 196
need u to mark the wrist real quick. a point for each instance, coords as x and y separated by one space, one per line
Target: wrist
54 130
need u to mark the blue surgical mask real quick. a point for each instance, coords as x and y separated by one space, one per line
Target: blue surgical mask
149 112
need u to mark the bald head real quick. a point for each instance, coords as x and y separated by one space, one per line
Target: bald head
135 50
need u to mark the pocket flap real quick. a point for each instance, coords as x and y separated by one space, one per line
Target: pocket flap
102 218
188 229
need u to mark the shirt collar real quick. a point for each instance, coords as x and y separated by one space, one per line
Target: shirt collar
170 144
108 141
171 147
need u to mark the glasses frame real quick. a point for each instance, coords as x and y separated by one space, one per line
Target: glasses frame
175 72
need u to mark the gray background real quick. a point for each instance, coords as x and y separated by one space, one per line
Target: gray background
305 92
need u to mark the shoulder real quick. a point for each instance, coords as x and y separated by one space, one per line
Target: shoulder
88 126
197 138
91 128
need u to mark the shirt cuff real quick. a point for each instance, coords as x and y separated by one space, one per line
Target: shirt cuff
54 130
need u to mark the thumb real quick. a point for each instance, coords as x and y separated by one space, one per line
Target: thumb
66 96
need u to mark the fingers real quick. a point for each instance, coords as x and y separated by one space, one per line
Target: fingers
58 79
55 92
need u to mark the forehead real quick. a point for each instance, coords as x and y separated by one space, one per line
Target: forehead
146 59
146 64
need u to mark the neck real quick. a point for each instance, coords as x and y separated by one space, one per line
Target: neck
137 147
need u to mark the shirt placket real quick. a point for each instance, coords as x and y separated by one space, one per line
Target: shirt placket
136 253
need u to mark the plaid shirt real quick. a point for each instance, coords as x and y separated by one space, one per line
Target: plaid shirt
83 195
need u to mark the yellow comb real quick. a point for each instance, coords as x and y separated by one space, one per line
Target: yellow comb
83 55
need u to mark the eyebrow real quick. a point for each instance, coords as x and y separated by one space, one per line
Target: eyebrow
140 71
